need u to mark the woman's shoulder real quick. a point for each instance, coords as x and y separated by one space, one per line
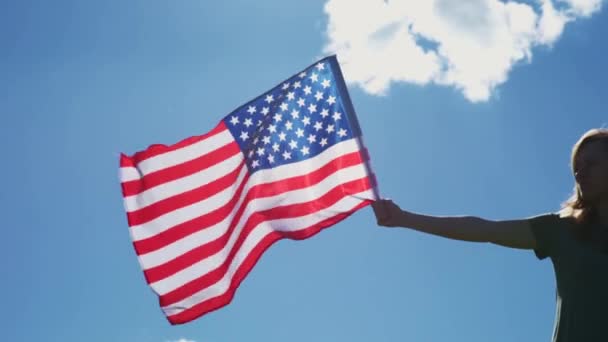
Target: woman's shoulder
552 220
558 216
548 217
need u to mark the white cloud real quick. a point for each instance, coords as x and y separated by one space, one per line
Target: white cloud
583 7
468 44
182 340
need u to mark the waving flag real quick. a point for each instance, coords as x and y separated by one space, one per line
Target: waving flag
201 212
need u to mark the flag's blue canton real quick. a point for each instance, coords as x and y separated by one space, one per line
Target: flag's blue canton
296 120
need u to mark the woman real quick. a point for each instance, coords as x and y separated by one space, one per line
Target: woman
575 238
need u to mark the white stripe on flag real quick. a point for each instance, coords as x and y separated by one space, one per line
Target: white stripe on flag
209 234
128 173
267 227
309 194
187 213
171 219
185 154
181 185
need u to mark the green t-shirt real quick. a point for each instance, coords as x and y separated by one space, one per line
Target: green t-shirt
581 273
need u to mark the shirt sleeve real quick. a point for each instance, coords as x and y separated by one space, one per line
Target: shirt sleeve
545 229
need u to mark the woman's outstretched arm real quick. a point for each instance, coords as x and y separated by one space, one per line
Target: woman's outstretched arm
509 233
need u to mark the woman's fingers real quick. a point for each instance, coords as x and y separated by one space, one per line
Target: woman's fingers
382 210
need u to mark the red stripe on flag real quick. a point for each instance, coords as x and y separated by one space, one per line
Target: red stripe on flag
307 180
186 228
251 260
181 170
189 258
258 191
125 161
158 149
184 199
295 210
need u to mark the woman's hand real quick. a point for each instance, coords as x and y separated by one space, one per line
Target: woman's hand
388 214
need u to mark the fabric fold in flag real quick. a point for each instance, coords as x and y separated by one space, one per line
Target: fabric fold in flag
287 164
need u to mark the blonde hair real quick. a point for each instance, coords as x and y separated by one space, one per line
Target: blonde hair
576 207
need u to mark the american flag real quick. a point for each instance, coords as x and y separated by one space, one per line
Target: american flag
201 212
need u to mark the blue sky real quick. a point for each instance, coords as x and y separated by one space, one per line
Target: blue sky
82 82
